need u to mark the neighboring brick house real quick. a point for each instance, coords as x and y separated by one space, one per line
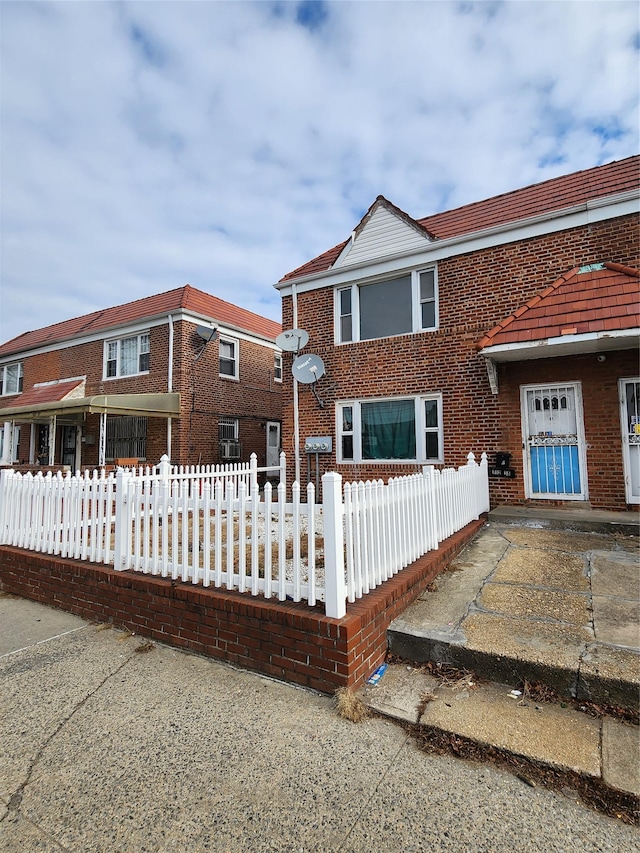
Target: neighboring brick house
182 373
509 326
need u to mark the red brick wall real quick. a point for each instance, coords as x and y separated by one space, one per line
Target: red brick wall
476 291
205 396
288 641
603 434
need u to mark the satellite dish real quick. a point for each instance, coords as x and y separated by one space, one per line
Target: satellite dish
206 333
293 340
307 368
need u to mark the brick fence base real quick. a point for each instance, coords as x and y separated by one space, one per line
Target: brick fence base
286 640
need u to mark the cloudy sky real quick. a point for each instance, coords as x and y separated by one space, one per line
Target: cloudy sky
149 144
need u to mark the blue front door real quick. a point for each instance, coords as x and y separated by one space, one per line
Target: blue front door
553 440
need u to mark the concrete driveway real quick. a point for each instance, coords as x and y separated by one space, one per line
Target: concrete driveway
108 744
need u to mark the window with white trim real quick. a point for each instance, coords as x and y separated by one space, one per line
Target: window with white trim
126 356
277 367
11 378
382 309
228 429
229 366
398 429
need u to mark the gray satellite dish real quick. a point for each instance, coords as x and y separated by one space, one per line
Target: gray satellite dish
307 368
206 333
292 340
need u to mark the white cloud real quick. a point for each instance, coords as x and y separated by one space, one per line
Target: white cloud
150 144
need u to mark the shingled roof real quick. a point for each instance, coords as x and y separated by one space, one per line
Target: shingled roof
186 298
535 200
597 298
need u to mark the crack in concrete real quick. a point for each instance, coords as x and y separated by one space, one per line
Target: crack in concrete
15 801
366 806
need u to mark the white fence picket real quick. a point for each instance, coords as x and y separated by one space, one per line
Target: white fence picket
211 525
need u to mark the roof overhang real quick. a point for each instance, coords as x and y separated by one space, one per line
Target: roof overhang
144 405
564 345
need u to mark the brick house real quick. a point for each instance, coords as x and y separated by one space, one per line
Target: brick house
182 373
510 326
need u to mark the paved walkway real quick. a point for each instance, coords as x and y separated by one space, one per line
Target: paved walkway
523 606
109 746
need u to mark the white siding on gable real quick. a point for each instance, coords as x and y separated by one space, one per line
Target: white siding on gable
384 234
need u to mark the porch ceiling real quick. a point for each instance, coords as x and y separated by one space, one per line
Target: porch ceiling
148 405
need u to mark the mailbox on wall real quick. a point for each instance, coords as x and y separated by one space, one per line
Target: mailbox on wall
501 466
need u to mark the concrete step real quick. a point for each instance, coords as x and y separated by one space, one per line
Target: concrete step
555 607
596 756
591 672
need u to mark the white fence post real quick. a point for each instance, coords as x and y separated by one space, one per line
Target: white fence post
122 522
485 502
253 473
335 587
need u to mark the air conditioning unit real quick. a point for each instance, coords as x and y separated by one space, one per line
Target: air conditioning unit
230 450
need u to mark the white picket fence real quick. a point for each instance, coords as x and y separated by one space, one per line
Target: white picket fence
215 527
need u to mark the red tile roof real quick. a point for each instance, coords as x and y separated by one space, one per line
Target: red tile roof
52 392
535 200
595 298
182 298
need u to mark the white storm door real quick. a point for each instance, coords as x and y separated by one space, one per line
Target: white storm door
630 422
553 432
273 444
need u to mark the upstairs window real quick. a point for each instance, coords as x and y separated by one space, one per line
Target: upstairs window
229 367
11 378
277 367
382 309
127 356
391 430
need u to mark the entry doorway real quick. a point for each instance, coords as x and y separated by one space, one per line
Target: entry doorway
273 445
69 437
553 438
630 423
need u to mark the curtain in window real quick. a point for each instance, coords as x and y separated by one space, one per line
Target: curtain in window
128 356
388 430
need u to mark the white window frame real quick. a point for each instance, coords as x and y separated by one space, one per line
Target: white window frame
416 305
236 358
142 338
20 378
277 367
421 431
230 424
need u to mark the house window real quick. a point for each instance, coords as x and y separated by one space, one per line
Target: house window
229 358
381 309
11 378
277 367
228 429
398 429
126 437
228 432
127 356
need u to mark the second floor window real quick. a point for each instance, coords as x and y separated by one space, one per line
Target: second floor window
381 309
127 356
229 358
11 379
277 367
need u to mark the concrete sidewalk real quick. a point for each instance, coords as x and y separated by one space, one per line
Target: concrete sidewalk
111 745
523 606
